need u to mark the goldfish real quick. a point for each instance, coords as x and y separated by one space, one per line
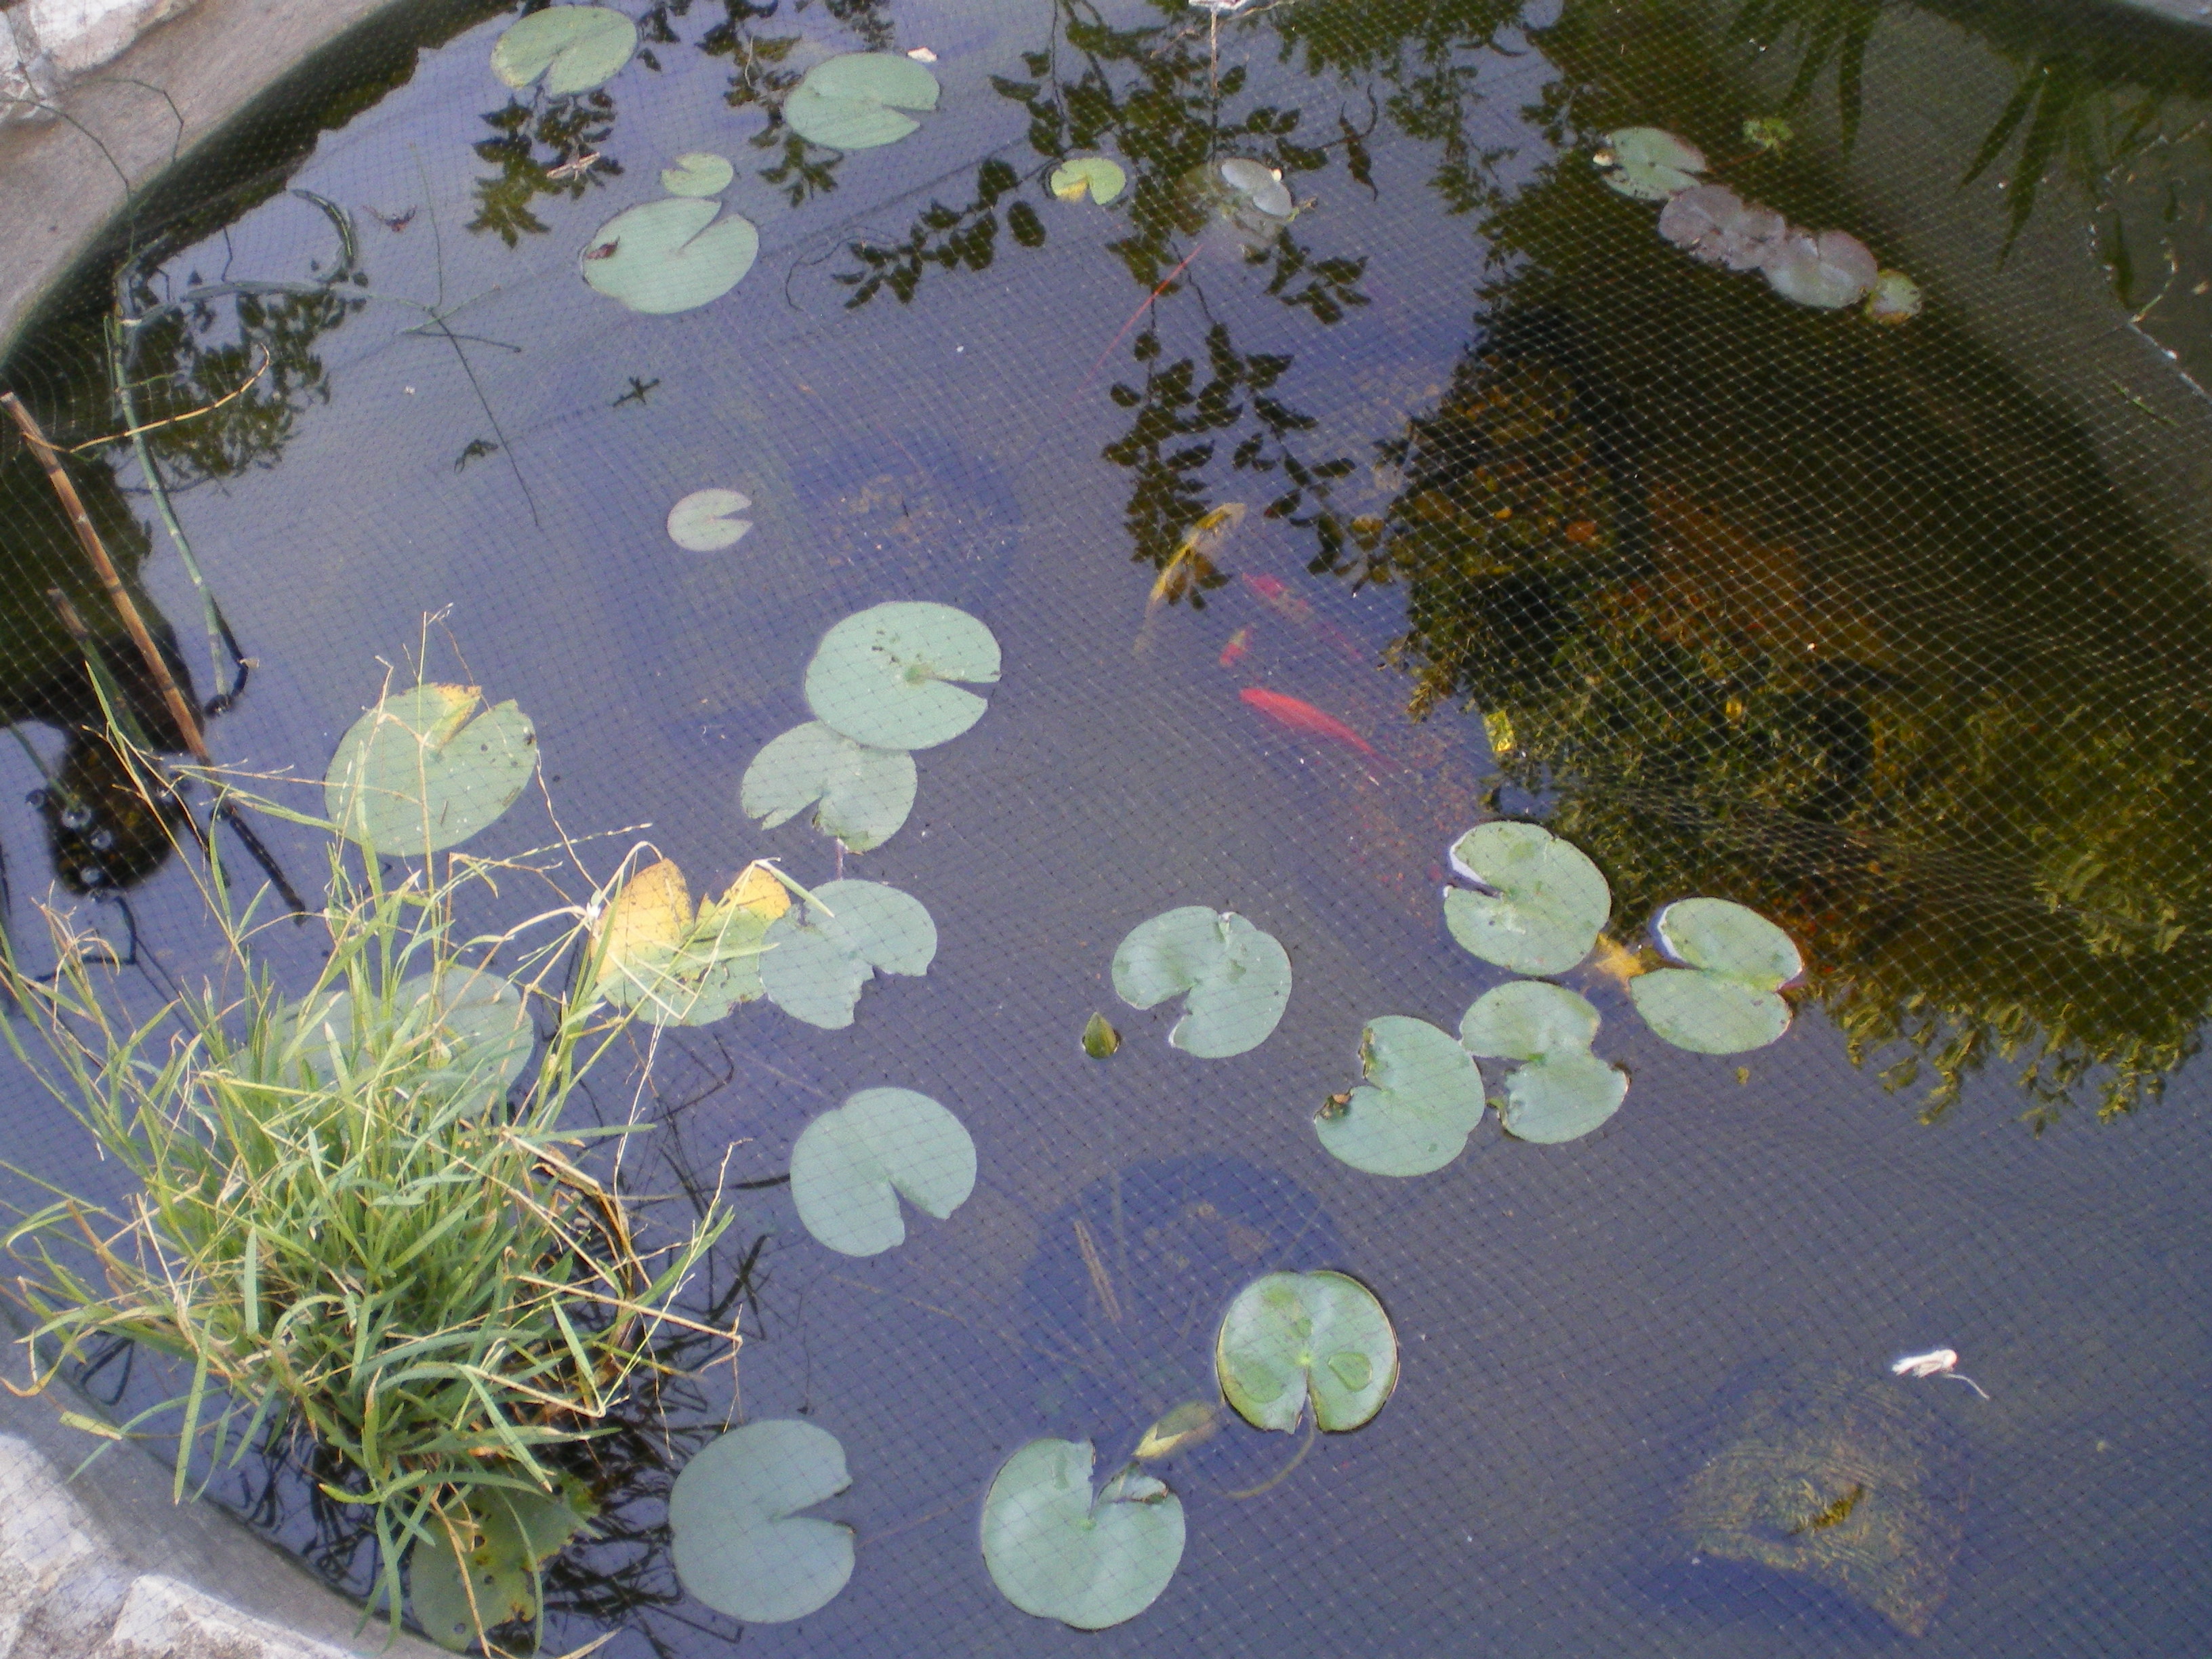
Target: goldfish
1276 595
1239 646
1303 717
1191 566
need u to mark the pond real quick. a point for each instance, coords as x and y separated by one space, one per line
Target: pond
1440 411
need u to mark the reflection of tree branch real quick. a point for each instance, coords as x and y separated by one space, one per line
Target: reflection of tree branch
570 127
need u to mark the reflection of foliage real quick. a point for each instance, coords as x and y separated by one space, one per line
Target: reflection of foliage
567 128
1825 30
1782 627
948 238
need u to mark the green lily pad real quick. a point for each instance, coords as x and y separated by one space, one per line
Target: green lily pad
1237 979
1058 1552
1422 1099
1563 1091
1289 1337
468 1027
885 676
1092 175
736 1536
1648 164
574 47
705 521
671 255
1257 186
702 173
853 100
1542 900
457 1595
416 774
850 1166
1723 1000
865 793
816 965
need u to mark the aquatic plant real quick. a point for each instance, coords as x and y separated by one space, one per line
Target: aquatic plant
706 520
1057 1549
671 255
859 100
574 48
740 1544
1289 1340
1562 1091
1422 1099
1234 978
1095 176
700 172
851 1165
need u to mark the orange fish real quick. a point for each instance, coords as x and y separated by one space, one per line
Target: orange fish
1303 717
1275 593
1240 645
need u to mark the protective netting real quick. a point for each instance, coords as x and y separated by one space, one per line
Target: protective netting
1452 488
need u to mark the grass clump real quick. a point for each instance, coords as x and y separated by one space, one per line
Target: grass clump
361 1217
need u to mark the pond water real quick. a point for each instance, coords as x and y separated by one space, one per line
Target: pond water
1309 541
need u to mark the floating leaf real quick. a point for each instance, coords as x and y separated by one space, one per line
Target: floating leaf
1715 226
853 100
865 792
1100 1039
574 47
706 520
1648 164
670 255
678 966
1188 1424
1827 271
506 1536
702 173
1056 1552
1291 1336
816 966
1422 1098
1237 979
737 1538
415 775
1722 1000
1895 298
1768 132
885 676
1257 186
468 1028
1543 900
850 1166
1563 1091
1100 178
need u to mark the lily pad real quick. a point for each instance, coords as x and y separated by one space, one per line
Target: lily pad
855 101
493 1578
1714 225
706 520
671 255
1092 175
469 1027
1542 900
574 47
1422 1099
816 964
1291 1337
850 1166
1237 978
1827 271
1100 1040
865 792
1057 1551
885 676
1186 1426
1648 164
736 1536
1894 298
423 771
1563 1091
1257 186
1722 1000
678 966
702 173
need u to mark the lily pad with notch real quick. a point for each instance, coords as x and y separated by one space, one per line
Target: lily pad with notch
460 1589
738 1539
678 966
1562 1091
1422 1099
850 1167
1291 1339
1236 979
895 676
468 1030
1057 1551
1540 902
700 172
576 48
1095 176
706 520
1724 998
819 962
1648 164
671 255
858 100
423 771
864 793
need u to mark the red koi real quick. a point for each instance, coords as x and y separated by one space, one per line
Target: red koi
1240 644
1303 717
1276 595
